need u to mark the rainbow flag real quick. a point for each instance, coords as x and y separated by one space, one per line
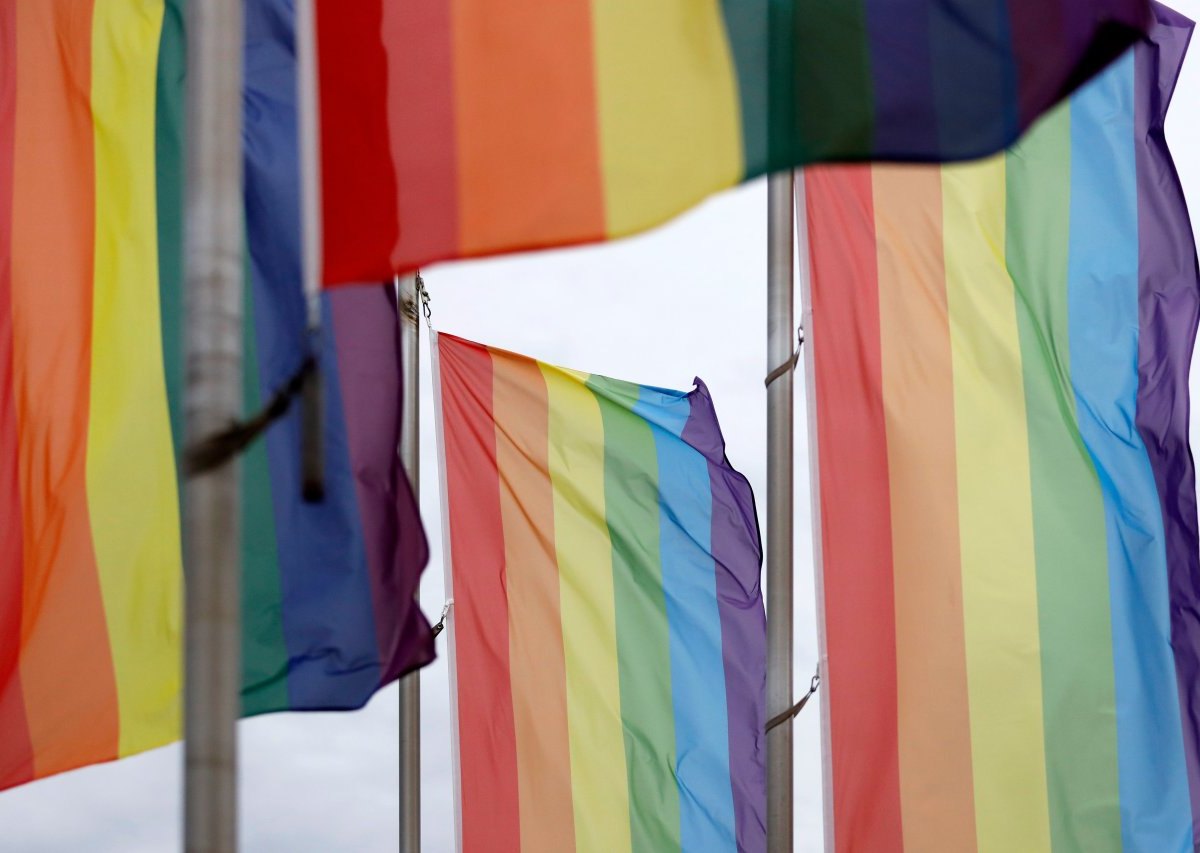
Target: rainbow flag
473 127
608 640
90 568
1007 498
91 381
329 596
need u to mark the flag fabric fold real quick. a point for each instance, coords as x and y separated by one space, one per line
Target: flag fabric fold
91 384
479 127
90 567
330 588
608 640
1007 496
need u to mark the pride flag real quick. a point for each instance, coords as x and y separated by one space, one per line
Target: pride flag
91 383
329 590
608 641
473 127
1007 497
90 569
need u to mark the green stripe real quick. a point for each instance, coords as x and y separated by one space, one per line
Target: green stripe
781 87
264 656
168 153
747 25
831 68
1069 527
264 653
643 635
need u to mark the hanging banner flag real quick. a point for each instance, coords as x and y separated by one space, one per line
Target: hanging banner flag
1008 507
329 595
478 127
90 568
91 403
608 640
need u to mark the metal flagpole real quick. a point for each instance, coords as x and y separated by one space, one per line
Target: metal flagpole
312 431
780 341
213 401
410 456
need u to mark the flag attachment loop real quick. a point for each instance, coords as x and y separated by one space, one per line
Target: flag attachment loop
312 421
423 295
441 623
410 306
788 366
215 450
790 713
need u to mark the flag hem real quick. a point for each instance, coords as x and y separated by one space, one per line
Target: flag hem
448 581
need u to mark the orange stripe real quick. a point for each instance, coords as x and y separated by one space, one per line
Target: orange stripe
66 664
936 789
528 144
537 668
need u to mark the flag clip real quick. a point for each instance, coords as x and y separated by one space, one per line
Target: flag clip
441 623
423 295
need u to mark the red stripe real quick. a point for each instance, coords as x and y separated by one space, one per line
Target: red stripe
421 104
856 521
16 752
487 736
358 190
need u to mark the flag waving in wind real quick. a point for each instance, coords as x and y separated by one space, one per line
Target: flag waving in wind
608 641
474 127
1007 497
91 400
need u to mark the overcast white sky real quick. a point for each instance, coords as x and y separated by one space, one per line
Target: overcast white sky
685 300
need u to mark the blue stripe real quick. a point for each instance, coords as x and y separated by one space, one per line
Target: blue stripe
328 620
974 76
906 117
1103 305
697 664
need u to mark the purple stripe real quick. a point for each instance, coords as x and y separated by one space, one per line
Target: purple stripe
1088 33
905 107
737 553
1169 303
366 327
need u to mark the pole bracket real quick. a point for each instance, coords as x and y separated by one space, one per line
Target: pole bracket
789 365
441 622
215 450
790 713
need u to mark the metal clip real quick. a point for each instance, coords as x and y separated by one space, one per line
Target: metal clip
423 295
441 623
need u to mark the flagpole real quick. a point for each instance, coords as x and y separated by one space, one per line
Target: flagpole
213 400
410 457
781 337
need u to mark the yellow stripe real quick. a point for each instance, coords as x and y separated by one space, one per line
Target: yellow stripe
670 121
132 493
1000 615
598 778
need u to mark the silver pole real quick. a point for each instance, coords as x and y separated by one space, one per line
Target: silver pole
410 455
312 430
781 337
213 400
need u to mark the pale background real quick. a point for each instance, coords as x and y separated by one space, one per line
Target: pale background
685 300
